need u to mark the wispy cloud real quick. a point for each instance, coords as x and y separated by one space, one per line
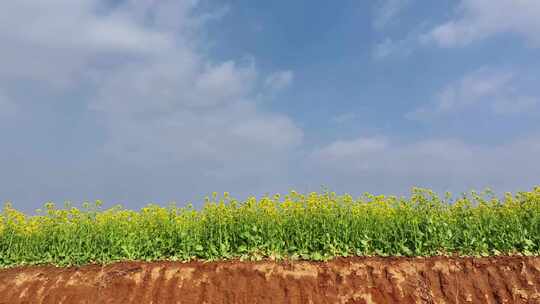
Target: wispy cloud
389 47
386 11
400 47
479 19
497 89
380 163
279 80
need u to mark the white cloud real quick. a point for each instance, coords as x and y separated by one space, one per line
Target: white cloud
177 106
60 39
385 13
390 47
279 80
351 151
226 80
386 10
399 47
384 49
160 100
496 88
174 121
479 19
365 164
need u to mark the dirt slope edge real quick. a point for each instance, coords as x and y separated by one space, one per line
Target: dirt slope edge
343 280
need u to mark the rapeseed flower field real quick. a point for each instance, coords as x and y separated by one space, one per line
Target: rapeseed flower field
313 226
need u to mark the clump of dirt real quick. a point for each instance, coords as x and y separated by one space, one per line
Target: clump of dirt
343 280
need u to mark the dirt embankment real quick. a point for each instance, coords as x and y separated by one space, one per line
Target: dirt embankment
343 280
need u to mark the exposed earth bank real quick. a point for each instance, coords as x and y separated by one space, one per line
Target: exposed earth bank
343 280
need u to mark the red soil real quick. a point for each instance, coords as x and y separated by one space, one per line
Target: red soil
343 280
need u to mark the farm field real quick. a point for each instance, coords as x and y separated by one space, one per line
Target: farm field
296 248
236 151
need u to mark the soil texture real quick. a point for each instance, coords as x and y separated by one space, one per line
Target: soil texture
357 280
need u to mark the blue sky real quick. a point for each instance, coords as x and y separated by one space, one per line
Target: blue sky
138 101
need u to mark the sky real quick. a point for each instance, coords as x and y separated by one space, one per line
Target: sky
157 101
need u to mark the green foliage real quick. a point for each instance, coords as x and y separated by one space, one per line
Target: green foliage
316 226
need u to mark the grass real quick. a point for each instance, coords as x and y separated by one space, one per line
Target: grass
315 226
